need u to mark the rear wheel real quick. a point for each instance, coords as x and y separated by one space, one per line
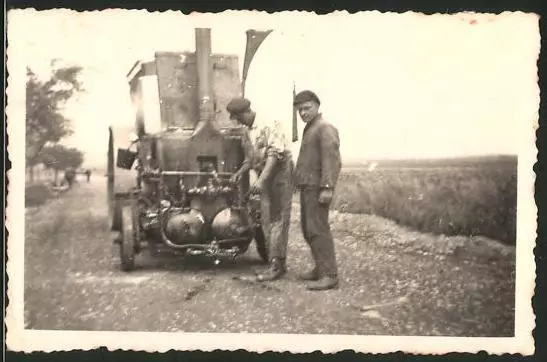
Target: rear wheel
262 246
110 176
129 237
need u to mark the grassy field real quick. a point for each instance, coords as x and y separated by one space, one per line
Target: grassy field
475 196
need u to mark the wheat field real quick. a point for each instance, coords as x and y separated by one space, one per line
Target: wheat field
475 196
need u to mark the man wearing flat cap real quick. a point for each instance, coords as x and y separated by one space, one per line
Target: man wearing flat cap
267 152
316 175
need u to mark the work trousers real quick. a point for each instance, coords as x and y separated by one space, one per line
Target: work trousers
275 208
316 230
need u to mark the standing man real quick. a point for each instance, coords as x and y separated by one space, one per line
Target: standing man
268 153
317 171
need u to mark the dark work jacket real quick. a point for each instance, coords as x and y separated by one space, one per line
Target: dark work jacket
319 160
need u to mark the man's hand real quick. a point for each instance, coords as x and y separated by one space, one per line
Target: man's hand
258 187
235 177
325 196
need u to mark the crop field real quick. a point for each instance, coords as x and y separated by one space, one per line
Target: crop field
475 196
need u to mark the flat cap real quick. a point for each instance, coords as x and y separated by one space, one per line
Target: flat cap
238 105
306 96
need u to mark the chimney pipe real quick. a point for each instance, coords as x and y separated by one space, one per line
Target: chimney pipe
204 69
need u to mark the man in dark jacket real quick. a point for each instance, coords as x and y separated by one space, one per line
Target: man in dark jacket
316 175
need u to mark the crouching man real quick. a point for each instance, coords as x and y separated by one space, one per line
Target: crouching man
317 171
268 153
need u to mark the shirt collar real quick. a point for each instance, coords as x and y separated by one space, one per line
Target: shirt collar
313 121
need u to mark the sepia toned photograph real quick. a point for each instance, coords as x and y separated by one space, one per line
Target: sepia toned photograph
271 182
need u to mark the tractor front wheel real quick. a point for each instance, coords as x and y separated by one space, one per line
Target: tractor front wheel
262 245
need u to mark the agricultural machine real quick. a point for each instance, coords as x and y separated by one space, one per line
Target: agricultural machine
181 199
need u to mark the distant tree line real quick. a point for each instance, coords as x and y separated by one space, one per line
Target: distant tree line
46 125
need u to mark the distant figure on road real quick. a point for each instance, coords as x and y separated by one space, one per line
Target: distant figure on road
316 174
88 174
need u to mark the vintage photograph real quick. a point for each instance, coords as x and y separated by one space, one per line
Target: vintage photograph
284 182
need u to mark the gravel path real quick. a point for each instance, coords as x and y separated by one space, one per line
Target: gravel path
393 281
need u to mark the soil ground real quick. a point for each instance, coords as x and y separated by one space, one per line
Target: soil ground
394 281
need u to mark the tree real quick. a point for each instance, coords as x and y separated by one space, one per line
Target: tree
45 123
59 157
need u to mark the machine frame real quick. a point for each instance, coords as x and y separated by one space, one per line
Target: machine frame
181 188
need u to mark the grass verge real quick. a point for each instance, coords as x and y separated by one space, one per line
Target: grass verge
37 194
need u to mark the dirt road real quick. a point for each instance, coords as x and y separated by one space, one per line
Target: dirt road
393 281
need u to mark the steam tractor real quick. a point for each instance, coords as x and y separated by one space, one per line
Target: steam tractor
180 199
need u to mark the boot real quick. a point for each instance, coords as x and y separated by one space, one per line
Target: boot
324 283
312 274
275 271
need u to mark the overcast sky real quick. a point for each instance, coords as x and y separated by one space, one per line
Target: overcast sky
395 85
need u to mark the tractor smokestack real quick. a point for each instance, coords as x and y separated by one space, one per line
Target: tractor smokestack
205 79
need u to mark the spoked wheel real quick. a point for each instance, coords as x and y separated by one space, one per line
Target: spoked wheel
262 246
129 237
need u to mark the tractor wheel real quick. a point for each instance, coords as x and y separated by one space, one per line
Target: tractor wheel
110 176
128 238
262 245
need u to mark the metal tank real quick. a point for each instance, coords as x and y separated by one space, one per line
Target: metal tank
177 196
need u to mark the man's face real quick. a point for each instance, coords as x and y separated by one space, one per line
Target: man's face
308 111
246 118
